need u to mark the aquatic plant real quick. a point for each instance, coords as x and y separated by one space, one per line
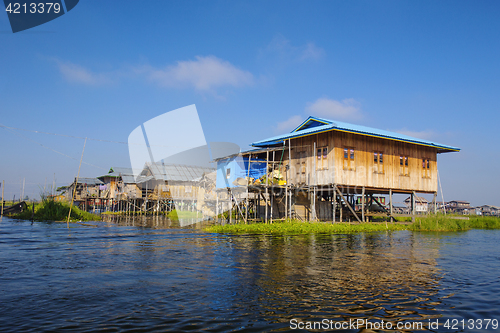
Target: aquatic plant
297 227
424 223
50 210
439 223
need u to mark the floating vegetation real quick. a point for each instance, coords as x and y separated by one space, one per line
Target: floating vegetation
297 227
427 223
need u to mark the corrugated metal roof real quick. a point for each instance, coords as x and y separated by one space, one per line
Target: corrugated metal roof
89 181
126 174
176 172
314 125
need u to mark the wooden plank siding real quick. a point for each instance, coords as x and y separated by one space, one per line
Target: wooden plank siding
307 169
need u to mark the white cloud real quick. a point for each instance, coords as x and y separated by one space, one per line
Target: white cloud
424 135
78 74
311 51
281 48
289 124
202 74
347 109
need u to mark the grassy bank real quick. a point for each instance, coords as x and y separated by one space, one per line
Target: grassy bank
49 210
429 223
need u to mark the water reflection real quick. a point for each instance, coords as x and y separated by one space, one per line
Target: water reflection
156 221
388 277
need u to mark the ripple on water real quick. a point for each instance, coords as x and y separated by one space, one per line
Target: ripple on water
137 277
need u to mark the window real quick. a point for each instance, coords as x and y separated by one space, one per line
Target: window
378 162
228 173
426 168
403 165
322 158
349 159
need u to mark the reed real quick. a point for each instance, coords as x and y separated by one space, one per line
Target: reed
50 210
439 223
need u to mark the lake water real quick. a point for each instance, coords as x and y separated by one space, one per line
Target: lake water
153 276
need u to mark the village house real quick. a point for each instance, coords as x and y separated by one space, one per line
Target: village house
319 169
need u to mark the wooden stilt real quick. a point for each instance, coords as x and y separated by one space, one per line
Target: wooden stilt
434 201
334 203
413 206
363 204
289 187
348 205
267 180
390 205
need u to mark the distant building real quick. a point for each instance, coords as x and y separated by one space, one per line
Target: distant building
421 204
488 210
459 207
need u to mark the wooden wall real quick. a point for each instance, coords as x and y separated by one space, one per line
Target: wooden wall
332 167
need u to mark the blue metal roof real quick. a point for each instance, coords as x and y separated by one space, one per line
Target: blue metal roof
314 125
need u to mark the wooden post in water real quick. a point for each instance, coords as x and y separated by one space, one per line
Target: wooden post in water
413 206
267 179
290 176
76 182
390 205
216 207
434 201
230 207
363 204
334 198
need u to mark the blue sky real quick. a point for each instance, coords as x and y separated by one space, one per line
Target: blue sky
254 69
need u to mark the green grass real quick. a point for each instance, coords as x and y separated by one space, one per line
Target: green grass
484 222
182 214
296 227
427 223
439 223
49 210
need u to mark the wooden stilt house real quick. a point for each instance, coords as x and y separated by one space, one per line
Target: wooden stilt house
322 167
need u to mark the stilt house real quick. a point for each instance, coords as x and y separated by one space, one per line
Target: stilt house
323 166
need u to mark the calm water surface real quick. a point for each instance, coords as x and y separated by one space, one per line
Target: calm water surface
154 276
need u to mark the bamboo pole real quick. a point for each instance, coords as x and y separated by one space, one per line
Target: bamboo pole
22 195
3 187
76 182
248 179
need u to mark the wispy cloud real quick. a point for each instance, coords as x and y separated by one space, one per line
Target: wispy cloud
347 109
289 124
282 48
202 74
78 74
425 135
